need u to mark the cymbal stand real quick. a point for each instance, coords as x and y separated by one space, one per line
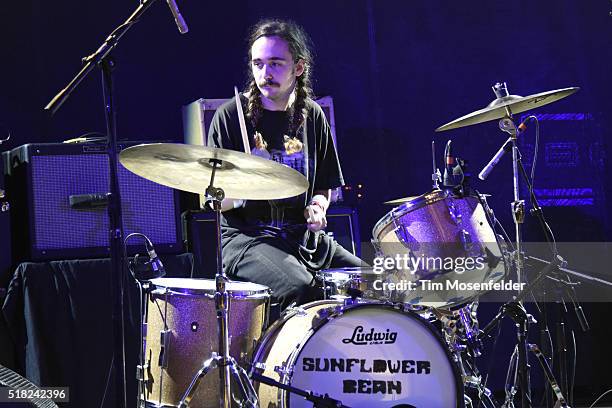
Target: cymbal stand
507 125
224 362
518 214
519 315
436 176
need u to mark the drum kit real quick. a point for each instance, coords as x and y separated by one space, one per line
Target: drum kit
360 346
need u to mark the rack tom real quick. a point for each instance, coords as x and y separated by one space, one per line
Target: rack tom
443 248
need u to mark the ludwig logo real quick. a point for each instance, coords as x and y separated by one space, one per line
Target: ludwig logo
360 337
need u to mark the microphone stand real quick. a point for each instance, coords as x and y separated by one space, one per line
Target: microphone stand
101 58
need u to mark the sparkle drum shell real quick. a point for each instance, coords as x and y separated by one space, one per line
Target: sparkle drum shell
364 355
176 351
429 230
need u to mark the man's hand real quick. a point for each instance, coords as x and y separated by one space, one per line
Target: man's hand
315 212
315 218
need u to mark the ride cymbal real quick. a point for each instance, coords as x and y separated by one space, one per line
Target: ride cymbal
515 103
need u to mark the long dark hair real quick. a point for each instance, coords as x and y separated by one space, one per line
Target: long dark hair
299 47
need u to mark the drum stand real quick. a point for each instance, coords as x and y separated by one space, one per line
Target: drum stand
224 362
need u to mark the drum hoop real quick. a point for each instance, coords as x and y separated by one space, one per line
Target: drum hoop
279 323
351 273
419 202
399 308
234 294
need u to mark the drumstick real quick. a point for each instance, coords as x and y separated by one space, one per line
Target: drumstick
243 131
310 215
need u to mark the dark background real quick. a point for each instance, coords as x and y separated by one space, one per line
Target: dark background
396 70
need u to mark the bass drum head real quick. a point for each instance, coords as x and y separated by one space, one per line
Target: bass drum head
280 340
376 355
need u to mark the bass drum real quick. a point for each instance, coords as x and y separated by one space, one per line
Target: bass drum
363 355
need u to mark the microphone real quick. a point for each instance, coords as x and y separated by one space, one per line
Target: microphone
178 18
87 201
156 264
493 162
523 126
449 161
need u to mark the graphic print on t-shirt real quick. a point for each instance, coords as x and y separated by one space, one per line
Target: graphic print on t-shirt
292 155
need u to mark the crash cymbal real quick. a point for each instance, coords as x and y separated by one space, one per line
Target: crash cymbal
399 201
188 168
516 104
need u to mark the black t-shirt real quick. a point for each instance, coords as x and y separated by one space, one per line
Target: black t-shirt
277 144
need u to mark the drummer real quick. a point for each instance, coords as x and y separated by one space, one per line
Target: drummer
281 243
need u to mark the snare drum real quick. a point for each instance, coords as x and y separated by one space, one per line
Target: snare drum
348 282
446 244
364 355
182 334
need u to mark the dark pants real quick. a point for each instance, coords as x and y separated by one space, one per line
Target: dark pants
267 262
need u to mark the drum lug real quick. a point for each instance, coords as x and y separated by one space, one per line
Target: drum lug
349 301
283 371
402 234
299 311
326 312
140 372
164 338
259 366
378 252
454 213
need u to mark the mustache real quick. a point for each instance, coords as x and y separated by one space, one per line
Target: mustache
269 83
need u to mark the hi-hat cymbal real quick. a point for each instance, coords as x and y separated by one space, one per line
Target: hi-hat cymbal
516 104
188 168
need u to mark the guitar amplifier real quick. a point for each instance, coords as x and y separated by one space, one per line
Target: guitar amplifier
570 179
199 235
5 232
43 179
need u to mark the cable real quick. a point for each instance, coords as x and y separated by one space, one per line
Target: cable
8 134
533 199
108 377
536 146
492 218
142 354
600 397
530 185
491 360
573 381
